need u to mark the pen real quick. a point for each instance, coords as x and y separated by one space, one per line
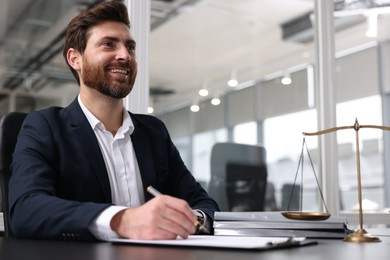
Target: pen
197 224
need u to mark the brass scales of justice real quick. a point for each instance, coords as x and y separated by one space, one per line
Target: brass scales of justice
360 235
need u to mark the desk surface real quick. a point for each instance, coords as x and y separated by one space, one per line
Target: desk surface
15 249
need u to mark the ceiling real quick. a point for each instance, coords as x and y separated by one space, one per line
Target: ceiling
193 43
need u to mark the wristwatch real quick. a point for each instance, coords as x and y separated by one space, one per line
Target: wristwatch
201 227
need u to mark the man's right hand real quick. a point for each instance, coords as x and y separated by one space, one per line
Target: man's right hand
163 217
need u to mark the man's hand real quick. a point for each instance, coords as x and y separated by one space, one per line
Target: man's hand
163 217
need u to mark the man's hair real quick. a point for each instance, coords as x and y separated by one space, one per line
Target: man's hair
77 33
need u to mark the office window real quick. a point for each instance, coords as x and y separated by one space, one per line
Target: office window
286 132
202 146
245 133
283 143
368 112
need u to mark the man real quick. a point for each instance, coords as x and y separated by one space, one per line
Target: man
81 172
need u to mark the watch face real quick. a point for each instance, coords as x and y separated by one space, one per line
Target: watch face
199 214
200 228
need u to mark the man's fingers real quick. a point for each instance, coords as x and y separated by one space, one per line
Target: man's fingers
177 218
178 212
178 205
163 217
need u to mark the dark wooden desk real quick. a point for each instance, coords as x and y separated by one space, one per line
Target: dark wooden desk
15 249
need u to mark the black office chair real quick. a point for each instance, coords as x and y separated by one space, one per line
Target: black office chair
252 157
291 197
9 129
246 186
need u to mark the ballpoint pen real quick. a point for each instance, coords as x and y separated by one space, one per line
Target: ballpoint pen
197 224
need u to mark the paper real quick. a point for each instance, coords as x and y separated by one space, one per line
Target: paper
233 242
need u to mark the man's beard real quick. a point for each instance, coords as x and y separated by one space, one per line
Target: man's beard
97 78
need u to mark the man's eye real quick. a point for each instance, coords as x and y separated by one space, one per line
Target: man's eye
131 48
107 44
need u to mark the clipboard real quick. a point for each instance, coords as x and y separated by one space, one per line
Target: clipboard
224 242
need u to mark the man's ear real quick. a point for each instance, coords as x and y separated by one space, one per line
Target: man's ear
74 59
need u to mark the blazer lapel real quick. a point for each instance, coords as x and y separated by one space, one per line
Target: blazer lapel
86 138
143 153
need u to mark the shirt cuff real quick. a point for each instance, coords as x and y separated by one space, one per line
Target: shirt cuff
100 226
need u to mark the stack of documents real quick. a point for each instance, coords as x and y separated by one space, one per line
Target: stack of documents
274 224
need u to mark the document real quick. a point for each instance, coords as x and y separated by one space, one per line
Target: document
231 242
274 224
275 217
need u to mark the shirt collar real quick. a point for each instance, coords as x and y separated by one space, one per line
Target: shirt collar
127 124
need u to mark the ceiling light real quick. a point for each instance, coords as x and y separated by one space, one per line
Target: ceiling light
203 92
195 108
233 82
215 101
286 79
195 105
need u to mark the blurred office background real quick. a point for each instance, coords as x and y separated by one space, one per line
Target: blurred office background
270 48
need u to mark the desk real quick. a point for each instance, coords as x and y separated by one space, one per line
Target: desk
19 249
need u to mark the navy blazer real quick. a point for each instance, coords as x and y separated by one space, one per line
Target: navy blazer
59 180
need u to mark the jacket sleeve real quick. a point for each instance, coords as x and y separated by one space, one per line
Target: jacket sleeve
37 207
172 176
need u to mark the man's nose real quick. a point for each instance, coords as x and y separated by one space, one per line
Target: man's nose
123 54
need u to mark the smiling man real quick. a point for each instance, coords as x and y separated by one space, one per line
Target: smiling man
81 172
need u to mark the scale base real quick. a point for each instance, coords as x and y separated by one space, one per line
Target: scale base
361 236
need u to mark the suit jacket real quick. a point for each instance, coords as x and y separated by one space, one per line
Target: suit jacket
59 182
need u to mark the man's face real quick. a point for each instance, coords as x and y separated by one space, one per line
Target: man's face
108 62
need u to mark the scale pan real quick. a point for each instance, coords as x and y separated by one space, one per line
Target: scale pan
298 215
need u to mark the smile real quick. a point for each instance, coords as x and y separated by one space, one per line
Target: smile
125 72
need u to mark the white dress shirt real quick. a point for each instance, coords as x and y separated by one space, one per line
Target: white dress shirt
122 168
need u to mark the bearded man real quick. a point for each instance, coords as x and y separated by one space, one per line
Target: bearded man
81 172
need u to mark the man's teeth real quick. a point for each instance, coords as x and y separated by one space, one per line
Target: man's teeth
119 71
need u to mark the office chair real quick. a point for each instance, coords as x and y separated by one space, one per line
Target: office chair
224 154
291 197
10 125
246 187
